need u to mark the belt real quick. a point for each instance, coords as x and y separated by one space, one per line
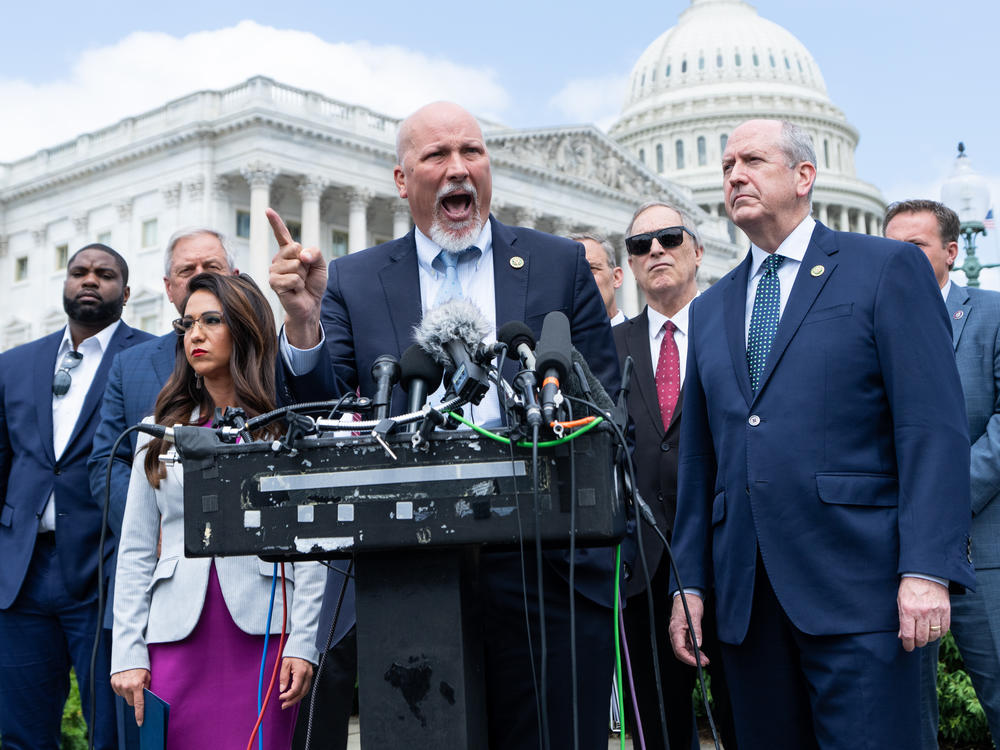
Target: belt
46 537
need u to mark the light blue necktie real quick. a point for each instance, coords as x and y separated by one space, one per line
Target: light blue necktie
451 288
764 319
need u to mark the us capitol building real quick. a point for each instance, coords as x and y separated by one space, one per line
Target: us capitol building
218 158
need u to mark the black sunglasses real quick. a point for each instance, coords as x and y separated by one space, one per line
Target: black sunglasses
668 237
62 379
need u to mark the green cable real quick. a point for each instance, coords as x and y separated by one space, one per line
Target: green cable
523 443
618 649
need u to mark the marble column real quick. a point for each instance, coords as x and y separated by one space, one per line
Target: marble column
400 218
628 294
259 176
824 214
311 188
220 215
357 219
81 224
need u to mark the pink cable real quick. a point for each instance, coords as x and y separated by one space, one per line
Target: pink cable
631 682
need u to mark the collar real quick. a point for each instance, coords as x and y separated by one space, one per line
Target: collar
946 290
657 319
427 249
793 247
102 338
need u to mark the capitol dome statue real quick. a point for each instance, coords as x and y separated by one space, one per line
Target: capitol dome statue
723 64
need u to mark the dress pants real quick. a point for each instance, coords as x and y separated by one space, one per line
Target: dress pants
43 634
334 685
510 692
975 623
795 691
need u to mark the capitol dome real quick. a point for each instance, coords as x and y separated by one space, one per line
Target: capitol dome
723 64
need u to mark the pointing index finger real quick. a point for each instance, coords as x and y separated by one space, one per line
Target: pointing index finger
281 233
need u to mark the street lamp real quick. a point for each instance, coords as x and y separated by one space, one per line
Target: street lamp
967 193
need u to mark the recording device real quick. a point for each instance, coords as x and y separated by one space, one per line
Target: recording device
452 334
553 360
385 372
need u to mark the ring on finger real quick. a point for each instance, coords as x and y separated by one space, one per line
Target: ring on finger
934 627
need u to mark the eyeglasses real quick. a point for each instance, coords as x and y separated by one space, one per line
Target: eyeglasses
62 379
208 321
668 237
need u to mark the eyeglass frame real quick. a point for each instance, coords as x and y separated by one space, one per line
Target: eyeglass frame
657 235
71 360
181 330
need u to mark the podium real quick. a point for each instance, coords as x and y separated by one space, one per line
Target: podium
415 525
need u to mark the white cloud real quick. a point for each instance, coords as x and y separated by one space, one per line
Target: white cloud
146 69
597 100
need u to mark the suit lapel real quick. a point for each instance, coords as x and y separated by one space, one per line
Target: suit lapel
510 284
400 278
959 305
44 367
644 377
734 308
820 253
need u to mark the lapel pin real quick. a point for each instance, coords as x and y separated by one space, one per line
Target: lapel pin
958 314
817 270
517 262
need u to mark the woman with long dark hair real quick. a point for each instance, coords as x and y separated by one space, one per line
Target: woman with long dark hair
192 629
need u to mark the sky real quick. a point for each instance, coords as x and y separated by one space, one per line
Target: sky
913 76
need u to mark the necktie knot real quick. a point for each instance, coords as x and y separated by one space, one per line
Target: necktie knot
772 262
669 328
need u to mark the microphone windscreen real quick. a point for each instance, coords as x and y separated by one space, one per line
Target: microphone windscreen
455 320
416 364
513 334
555 345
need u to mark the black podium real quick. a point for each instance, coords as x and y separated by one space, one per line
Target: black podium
415 524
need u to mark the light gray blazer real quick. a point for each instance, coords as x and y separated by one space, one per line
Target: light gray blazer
975 323
159 600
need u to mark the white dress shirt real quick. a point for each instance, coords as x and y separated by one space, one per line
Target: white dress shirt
618 317
794 250
66 409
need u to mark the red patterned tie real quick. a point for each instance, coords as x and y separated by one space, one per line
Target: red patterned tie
668 374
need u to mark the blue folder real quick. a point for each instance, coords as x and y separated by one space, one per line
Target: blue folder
152 735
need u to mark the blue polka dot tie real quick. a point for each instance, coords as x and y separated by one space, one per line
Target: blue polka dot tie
764 319
451 287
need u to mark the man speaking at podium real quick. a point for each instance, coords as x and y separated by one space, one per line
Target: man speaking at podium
370 305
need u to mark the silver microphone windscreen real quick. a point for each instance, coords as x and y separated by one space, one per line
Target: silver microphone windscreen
455 320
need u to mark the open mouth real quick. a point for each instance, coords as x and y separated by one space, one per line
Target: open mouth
457 206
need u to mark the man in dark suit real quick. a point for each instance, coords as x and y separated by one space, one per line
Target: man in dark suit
664 252
821 493
50 522
135 380
372 301
975 327
607 273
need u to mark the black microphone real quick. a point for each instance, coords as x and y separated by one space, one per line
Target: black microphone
419 376
451 333
520 341
553 360
385 371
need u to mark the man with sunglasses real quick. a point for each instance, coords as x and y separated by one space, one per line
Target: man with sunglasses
50 391
822 495
664 252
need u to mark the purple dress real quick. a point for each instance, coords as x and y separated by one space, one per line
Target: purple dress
210 681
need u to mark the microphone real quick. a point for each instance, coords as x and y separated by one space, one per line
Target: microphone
419 376
385 371
520 342
553 361
451 334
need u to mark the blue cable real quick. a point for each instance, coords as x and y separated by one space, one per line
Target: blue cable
263 657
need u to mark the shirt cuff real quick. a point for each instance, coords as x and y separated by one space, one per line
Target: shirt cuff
694 592
300 361
925 577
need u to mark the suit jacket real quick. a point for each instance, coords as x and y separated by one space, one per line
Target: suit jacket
29 471
160 599
846 468
655 455
975 324
372 304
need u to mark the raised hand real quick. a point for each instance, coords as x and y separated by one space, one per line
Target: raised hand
298 277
